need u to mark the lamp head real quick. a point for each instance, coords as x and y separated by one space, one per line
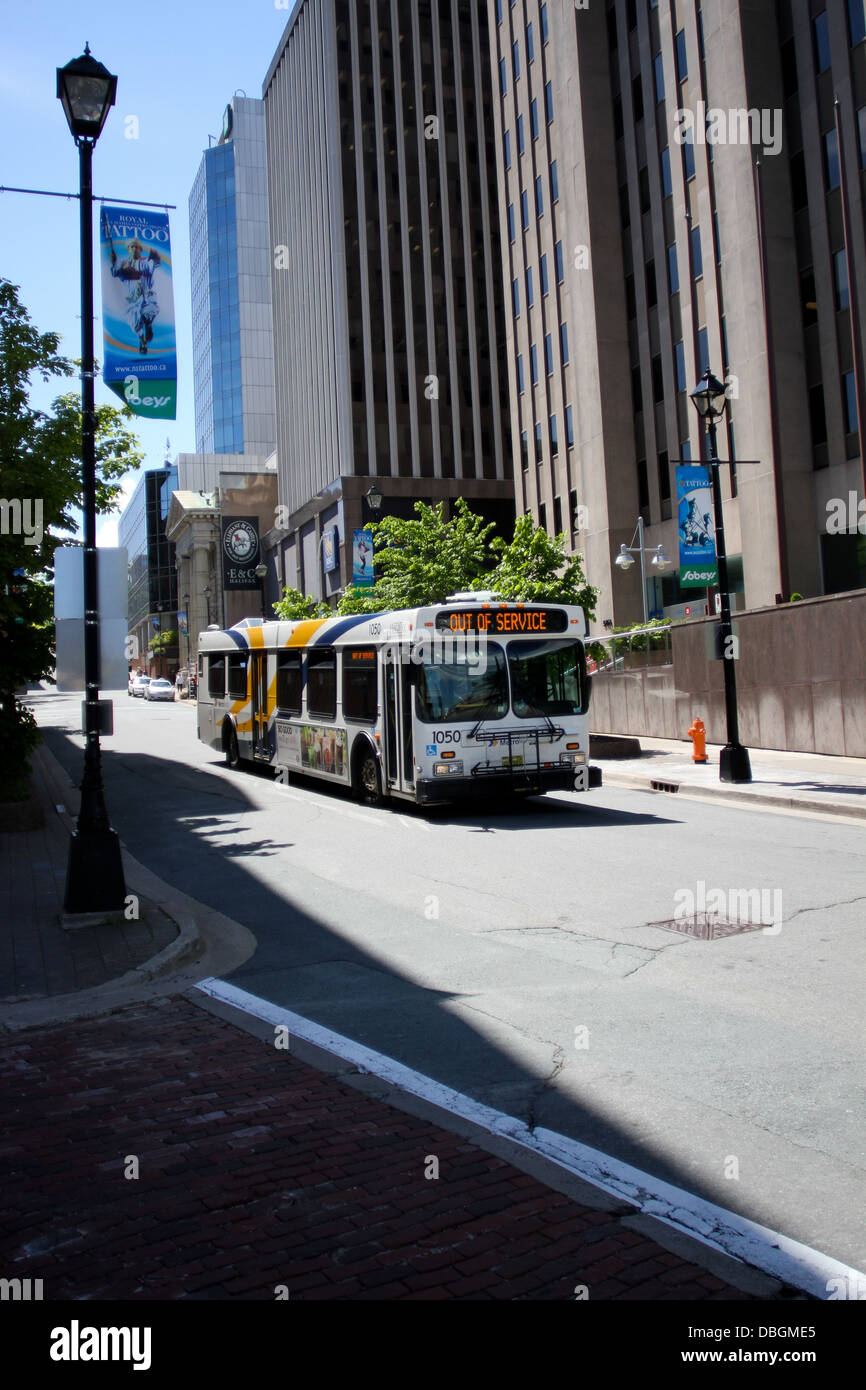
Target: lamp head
374 499
709 398
623 559
87 91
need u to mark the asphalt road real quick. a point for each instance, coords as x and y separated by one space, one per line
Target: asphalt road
509 952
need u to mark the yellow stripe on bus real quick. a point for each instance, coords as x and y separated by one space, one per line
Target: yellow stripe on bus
304 631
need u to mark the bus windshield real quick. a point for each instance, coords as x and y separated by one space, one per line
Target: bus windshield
547 678
452 692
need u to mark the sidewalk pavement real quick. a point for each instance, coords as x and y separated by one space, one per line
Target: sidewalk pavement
162 1147
806 782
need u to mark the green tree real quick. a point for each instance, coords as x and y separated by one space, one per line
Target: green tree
294 606
533 568
425 560
40 482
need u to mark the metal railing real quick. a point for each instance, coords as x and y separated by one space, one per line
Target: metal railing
628 651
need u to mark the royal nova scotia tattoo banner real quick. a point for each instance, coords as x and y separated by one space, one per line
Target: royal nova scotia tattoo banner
139 345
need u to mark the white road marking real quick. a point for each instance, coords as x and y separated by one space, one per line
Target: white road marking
777 1255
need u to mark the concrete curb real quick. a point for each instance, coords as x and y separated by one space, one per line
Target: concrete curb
729 792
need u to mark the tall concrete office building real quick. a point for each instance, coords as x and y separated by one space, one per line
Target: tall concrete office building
231 289
676 195
389 321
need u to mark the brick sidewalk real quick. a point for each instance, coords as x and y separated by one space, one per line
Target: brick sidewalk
257 1170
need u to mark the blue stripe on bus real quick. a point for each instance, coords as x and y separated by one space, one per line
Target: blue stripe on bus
239 639
341 626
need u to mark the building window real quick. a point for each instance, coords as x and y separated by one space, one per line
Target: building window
817 415
520 385
667 183
569 427
822 41
503 76
548 101
533 118
530 291
554 182
554 438
544 34
686 451
637 97
524 448
542 516
697 256
659 71
548 354
831 159
630 298
643 188
498 11
673 270
682 58
808 297
573 509
717 241
530 44
563 343
506 141
636 390
651 289
557 516
689 155
521 145
849 397
533 364
703 350
857 20
511 232
524 209
539 445
658 380
545 286
515 52
861 126
680 365
515 298
558 262
843 296
539 197
799 188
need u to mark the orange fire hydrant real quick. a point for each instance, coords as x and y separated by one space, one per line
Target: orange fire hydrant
698 735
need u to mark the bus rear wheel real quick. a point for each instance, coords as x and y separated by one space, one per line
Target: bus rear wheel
369 781
233 757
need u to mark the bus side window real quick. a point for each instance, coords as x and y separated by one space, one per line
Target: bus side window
237 676
322 682
289 682
216 677
360 695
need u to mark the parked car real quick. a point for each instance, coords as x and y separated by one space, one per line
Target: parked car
140 684
159 689
131 681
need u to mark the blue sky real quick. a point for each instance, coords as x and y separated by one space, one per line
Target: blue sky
177 66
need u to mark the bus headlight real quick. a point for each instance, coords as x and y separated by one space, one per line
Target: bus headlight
579 759
439 769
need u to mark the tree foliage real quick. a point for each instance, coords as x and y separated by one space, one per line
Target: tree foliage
294 606
423 561
40 483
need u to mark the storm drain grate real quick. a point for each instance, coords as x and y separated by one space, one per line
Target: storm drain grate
707 926
665 786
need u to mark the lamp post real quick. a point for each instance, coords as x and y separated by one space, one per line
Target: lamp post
207 601
660 562
94 874
261 573
186 611
373 497
710 401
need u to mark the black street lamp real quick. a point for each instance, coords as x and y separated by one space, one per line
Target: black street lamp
206 592
94 874
374 499
710 400
261 573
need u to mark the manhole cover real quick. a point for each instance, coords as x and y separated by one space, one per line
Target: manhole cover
708 926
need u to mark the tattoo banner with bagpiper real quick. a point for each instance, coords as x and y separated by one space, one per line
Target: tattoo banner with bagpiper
139 346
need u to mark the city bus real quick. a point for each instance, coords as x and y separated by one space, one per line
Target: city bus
473 696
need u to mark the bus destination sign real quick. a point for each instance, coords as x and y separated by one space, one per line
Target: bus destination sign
499 621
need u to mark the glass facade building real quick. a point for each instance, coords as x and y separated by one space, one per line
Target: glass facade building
150 557
231 301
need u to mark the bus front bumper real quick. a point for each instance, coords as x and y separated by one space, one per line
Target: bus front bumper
529 782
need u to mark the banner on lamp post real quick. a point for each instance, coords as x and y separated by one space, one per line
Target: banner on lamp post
240 546
362 558
139 344
695 529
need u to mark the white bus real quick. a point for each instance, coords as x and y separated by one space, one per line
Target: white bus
467 697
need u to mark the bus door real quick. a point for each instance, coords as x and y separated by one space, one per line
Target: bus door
259 704
397 707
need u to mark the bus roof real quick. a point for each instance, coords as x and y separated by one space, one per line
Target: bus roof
403 624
